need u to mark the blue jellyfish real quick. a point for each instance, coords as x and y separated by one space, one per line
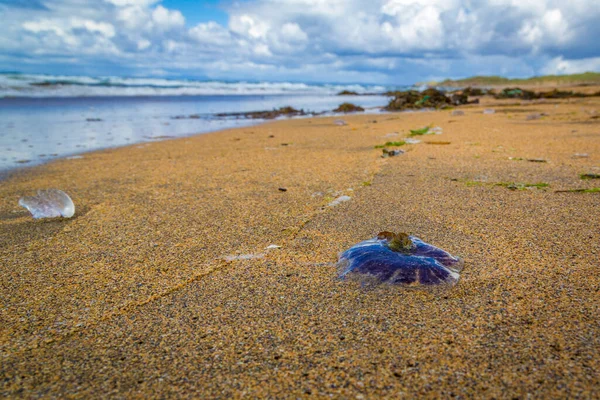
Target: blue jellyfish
399 259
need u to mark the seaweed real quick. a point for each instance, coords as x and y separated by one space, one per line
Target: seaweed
391 144
522 186
430 98
470 91
419 132
590 190
589 176
348 108
347 93
270 114
518 93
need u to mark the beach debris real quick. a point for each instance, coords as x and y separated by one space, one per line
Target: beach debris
537 160
282 189
437 142
348 108
49 203
74 157
426 130
457 113
589 176
244 257
535 116
399 259
489 111
391 144
418 132
340 122
272 246
580 155
391 153
339 200
590 190
411 141
523 186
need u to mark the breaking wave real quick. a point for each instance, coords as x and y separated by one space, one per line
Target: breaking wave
26 85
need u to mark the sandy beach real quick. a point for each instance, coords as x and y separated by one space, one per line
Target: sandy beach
163 285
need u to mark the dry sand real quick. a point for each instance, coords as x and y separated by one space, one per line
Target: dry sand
141 294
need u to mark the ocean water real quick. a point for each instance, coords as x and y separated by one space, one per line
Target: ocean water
47 117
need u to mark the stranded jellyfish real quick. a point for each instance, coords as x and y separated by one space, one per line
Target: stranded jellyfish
49 203
399 259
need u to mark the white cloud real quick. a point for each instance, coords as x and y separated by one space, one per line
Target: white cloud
141 3
143 44
377 40
559 66
134 18
211 33
249 26
103 28
167 19
292 32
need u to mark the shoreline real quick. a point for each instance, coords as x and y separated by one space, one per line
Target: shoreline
163 284
64 127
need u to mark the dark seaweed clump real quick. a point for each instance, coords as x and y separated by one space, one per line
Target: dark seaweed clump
430 98
470 91
348 108
347 93
269 114
518 93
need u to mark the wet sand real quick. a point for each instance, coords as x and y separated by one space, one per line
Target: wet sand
162 286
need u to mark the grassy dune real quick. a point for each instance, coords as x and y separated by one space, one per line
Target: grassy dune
575 79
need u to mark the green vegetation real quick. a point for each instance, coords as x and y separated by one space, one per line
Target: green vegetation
584 78
473 183
509 185
589 176
419 132
391 144
522 186
591 190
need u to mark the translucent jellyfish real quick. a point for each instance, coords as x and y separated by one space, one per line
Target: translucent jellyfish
49 203
399 259
339 200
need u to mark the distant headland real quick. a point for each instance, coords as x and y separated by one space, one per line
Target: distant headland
586 78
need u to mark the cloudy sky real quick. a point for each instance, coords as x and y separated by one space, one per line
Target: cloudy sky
363 41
